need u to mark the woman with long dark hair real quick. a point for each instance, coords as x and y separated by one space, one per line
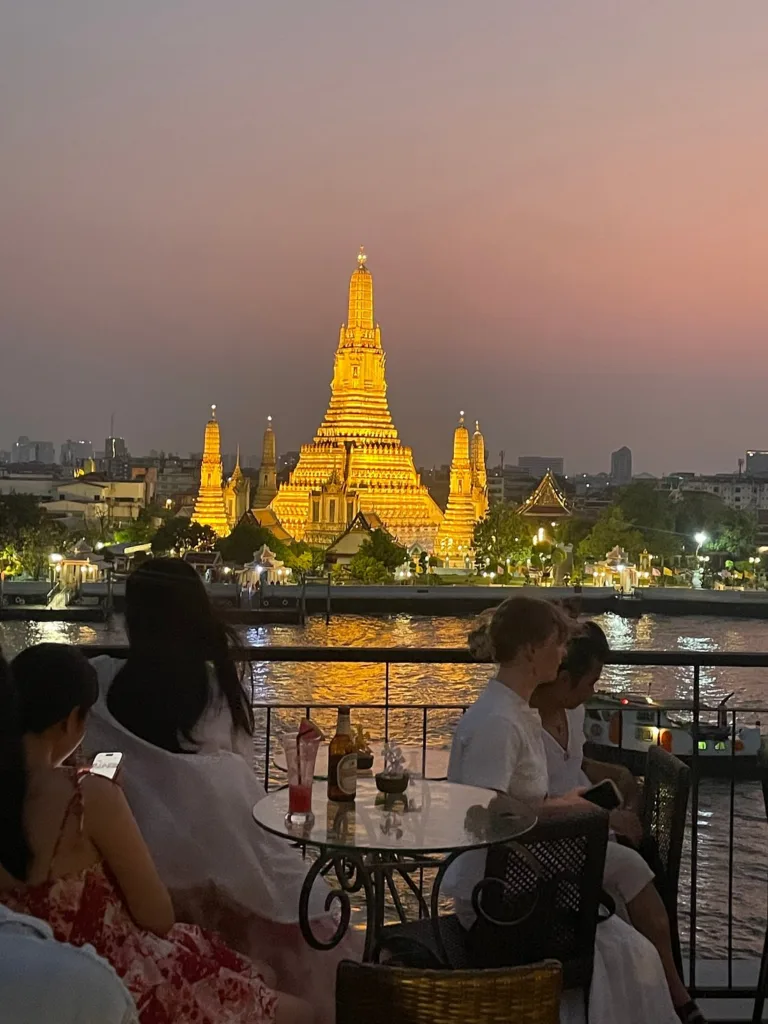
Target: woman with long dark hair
180 671
177 709
71 853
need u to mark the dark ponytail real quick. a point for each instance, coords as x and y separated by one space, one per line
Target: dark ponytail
165 687
15 852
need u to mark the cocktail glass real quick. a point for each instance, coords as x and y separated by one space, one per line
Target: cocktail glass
300 758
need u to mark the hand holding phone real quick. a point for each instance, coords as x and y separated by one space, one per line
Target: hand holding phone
107 765
604 794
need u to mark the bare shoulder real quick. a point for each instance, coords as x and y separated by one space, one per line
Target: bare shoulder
101 795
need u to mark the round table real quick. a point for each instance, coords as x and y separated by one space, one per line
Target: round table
366 842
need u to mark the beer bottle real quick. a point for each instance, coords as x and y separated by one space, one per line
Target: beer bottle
342 761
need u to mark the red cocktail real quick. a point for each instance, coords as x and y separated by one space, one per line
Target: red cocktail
300 756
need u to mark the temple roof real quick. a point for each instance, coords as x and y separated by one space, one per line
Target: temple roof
547 501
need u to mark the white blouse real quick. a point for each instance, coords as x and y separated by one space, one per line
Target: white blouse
564 765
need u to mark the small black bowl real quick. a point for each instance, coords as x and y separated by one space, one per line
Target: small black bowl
392 783
364 762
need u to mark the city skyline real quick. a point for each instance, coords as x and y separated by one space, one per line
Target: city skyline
564 209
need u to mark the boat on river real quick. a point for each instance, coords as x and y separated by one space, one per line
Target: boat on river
622 727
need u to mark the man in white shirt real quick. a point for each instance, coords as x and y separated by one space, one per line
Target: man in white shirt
43 981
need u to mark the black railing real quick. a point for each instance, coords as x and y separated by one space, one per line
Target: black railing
695 709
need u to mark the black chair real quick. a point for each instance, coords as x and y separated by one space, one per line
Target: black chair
664 808
539 899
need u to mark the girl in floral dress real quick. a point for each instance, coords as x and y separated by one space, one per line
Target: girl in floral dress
72 854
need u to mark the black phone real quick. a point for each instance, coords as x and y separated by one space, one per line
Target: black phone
604 794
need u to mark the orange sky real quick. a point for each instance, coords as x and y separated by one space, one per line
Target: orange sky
564 206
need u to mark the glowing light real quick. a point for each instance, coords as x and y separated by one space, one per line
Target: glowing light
55 557
700 538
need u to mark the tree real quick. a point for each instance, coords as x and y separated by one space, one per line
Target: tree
246 539
180 535
652 513
503 537
367 569
736 534
611 530
140 530
379 546
28 535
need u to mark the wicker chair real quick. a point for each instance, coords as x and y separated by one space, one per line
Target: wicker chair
665 805
540 898
380 995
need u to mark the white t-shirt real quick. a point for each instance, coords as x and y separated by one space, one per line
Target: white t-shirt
497 745
564 766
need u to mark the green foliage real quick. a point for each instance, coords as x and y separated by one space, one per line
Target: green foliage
179 535
503 534
28 535
610 530
140 530
248 538
736 533
367 569
380 547
652 513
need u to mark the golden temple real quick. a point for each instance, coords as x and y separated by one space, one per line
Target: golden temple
467 498
210 509
357 462
267 486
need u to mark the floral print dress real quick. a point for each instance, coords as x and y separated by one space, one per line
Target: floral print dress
188 976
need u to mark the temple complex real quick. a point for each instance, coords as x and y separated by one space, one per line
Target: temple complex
467 499
237 492
267 486
357 462
209 507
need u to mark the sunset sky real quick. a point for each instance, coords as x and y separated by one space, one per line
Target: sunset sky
564 203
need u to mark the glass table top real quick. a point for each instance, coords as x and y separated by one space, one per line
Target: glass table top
430 817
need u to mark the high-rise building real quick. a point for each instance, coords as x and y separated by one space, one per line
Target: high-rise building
621 466
209 507
115 448
757 463
539 465
267 487
357 462
75 453
25 450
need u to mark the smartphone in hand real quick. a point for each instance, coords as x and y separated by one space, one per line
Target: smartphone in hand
604 794
107 765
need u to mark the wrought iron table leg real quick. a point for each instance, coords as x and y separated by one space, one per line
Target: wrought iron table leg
352 875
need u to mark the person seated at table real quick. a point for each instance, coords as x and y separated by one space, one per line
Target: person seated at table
44 981
177 709
72 854
628 878
498 745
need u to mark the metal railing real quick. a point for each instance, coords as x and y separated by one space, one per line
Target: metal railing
695 709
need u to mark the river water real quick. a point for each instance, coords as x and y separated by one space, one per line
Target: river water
361 683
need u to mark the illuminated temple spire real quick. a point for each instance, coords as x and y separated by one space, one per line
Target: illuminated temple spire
479 474
455 536
236 493
210 509
357 461
267 487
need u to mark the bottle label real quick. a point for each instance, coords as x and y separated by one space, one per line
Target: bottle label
346 774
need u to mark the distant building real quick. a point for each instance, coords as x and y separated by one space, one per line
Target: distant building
115 448
539 465
5 458
510 484
621 466
177 481
757 463
75 453
744 493
25 450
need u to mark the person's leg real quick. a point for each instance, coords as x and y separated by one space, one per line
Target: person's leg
648 914
628 877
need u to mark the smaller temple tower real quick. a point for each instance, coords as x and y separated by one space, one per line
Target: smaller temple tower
209 507
236 494
479 475
456 532
267 486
